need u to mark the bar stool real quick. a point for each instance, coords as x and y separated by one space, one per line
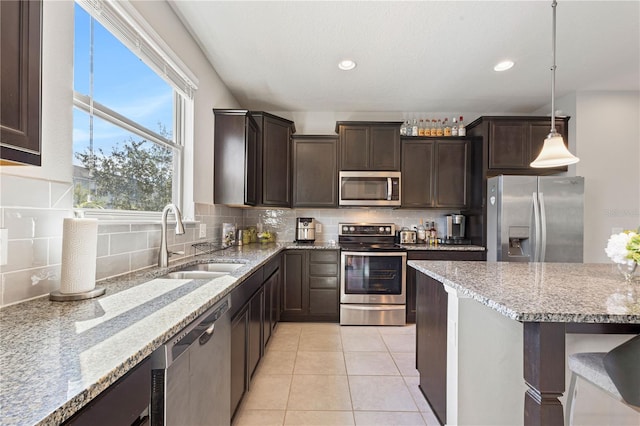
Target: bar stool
616 372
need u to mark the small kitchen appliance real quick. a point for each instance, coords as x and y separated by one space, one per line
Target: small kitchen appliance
455 229
407 236
305 229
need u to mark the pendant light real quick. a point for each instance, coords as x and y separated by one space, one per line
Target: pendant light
554 152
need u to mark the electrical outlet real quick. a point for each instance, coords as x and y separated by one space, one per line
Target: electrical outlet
203 230
4 245
318 228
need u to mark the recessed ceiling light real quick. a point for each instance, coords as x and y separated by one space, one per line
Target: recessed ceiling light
346 64
503 66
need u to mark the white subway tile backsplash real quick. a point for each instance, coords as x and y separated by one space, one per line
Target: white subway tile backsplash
127 242
143 259
27 284
25 254
34 223
111 266
55 250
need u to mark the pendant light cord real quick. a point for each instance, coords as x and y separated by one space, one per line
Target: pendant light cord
554 3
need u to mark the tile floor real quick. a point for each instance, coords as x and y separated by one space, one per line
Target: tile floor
327 374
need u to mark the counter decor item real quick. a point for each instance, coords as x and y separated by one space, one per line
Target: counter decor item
78 269
228 234
624 249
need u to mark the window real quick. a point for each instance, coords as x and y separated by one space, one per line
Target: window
132 102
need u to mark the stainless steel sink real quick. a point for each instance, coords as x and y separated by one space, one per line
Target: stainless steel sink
216 267
195 275
205 271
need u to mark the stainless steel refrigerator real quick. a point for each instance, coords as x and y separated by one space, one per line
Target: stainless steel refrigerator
535 218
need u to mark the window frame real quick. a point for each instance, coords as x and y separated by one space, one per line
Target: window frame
125 23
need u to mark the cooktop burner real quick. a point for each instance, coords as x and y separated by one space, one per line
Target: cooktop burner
368 237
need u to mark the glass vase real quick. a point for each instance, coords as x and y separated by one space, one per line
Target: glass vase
627 270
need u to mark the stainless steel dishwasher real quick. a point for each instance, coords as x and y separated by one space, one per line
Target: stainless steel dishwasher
190 377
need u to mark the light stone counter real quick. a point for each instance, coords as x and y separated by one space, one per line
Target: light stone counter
57 356
507 331
543 292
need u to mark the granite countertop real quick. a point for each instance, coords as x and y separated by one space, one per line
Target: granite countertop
57 356
543 292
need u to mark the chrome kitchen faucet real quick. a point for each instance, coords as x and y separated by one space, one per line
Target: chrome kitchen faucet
163 255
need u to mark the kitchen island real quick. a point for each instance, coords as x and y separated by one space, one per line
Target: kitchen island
483 326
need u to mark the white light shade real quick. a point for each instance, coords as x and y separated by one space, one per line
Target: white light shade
554 153
504 66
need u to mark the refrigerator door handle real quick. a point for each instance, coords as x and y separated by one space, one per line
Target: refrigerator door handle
543 228
535 250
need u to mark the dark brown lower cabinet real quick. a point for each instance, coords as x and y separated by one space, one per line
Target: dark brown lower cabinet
311 285
239 376
121 403
256 321
432 255
431 343
254 307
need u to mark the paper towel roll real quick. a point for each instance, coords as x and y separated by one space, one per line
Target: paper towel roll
79 250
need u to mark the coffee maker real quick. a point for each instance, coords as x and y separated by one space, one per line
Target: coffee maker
455 229
305 229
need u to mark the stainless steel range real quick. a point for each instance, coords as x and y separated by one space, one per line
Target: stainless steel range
373 275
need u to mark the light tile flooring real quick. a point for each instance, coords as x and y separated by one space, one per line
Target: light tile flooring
327 374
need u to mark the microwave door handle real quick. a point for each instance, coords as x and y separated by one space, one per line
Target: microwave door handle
389 189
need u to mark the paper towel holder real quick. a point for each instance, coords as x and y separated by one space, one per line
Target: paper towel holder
57 296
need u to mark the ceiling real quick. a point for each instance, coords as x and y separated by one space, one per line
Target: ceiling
414 56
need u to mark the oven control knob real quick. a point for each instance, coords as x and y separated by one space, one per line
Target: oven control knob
345 228
388 229
352 228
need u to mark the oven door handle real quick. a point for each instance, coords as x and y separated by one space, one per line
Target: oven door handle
375 253
387 307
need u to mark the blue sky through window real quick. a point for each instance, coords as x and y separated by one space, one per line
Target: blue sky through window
121 81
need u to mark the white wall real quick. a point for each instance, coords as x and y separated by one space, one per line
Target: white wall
608 145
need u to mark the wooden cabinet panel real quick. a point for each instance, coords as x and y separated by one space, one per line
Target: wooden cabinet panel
435 173
295 285
511 143
452 178
311 285
315 171
385 148
235 158
255 345
417 173
508 149
251 159
323 302
121 403
431 343
432 255
354 148
239 376
369 145
20 89
275 178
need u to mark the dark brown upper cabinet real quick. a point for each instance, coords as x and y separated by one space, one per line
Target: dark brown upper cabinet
20 88
235 168
366 145
315 171
512 143
274 152
252 159
435 173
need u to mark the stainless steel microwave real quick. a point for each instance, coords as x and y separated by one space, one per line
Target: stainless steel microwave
369 188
